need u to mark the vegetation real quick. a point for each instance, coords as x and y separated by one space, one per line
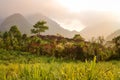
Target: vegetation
39 27
58 46
27 66
117 46
50 57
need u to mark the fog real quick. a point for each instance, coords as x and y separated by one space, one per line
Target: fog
63 13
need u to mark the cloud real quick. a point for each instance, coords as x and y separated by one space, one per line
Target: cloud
56 11
49 8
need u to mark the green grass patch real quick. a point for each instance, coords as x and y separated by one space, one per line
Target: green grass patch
15 65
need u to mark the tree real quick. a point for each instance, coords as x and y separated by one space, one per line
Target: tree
5 35
1 34
14 32
7 41
101 40
78 37
15 37
39 27
117 44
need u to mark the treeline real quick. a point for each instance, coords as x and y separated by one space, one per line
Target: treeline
75 48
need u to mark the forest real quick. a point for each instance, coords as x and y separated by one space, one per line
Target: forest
76 48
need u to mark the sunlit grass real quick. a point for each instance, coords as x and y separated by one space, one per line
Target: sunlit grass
61 71
25 66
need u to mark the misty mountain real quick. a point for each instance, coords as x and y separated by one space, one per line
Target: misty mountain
16 19
1 20
102 29
98 24
25 25
113 35
54 27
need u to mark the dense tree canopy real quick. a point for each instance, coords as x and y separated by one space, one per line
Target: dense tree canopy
78 37
58 46
14 32
117 44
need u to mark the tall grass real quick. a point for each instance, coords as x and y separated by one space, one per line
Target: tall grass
60 71
15 65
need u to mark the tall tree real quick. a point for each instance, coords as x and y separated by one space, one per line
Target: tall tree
101 40
39 27
78 37
14 32
7 41
117 44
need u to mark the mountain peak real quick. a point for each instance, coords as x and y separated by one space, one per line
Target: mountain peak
18 20
16 15
24 26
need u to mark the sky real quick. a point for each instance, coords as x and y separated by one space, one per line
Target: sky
70 14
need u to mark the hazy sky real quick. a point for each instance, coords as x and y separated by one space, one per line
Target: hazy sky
71 14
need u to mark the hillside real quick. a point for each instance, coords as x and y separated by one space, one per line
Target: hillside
25 25
0 20
101 29
98 23
16 19
54 27
113 35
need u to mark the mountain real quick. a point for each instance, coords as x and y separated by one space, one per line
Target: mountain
113 35
54 27
98 24
25 25
16 19
1 20
101 29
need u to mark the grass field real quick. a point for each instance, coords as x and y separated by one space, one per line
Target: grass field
15 65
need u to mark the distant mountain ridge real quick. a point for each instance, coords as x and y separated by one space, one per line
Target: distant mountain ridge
54 27
1 20
18 20
25 25
101 29
98 23
113 35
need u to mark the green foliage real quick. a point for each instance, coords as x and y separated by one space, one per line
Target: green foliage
75 48
117 46
78 37
14 57
14 32
15 65
50 57
39 27
5 35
